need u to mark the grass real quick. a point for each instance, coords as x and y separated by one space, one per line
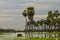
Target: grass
1 33
22 38
53 32
38 39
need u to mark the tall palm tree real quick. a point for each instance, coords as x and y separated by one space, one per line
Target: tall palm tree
56 14
46 23
41 24
24 13
50 18
30 14
38 22
58 22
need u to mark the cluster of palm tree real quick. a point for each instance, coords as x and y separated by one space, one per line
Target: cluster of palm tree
54 19
51 23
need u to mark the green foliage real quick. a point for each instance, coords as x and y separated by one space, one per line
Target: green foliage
29 12
56 13
49 21
24 13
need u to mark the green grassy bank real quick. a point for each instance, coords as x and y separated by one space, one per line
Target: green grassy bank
38 39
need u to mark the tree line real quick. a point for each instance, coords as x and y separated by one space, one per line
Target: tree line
10 30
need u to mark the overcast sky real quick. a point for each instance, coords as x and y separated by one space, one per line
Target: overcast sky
11 11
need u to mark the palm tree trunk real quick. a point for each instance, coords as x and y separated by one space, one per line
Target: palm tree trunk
26 28
29 29
49 30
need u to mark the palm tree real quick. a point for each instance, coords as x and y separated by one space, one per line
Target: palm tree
50 18
46 23
56 14
30 11
38 22
24 13
41 24
58 22
30 14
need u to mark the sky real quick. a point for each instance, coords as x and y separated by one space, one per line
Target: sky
11 11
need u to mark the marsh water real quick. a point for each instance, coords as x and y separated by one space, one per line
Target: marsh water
12 36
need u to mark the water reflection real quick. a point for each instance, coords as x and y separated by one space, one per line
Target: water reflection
10 36
42 35
30 35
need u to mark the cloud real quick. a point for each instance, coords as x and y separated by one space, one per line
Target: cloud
8 10
26 4
6 19
40 16
44 6
8 15
47 0
4 2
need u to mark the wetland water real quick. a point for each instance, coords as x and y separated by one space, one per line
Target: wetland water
12 36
